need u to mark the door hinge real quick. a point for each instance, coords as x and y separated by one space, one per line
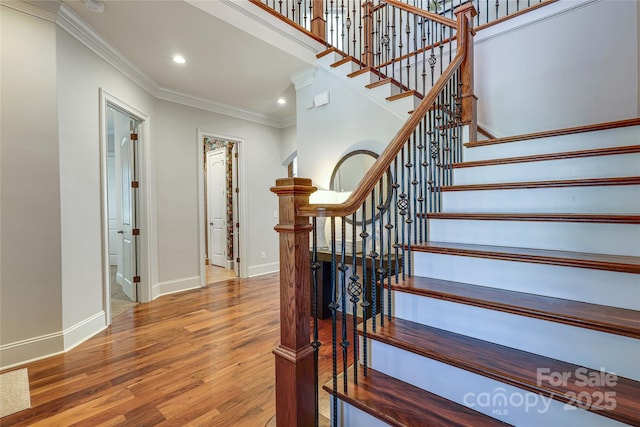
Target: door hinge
237 225
135 184
136 279
134 136
238 260
237 190
135 231
235 155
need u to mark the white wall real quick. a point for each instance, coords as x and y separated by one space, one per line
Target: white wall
81 74
578 67
51 274
289 144
350 121
30 274
175 143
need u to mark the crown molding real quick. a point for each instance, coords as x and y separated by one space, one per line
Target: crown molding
208 105
76 27
47 11
70 22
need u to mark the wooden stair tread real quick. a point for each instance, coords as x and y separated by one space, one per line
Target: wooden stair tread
603 318
515 367
400 404
380 82
590 218
631 180
327 52
343 61
402 95
557 132
621 263
610 151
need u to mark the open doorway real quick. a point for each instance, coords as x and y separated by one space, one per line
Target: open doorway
222 202
122 199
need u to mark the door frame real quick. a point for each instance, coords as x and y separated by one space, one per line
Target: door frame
146 256
242 197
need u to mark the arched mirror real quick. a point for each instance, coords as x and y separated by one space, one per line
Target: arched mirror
348 173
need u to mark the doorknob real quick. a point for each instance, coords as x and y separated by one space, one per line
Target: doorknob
120 231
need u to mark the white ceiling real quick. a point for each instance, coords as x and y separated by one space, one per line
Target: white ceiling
225 65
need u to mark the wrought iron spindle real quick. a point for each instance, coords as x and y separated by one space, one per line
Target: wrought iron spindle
381 269
315 344
355 291
365 304
333 306
374 257
343 303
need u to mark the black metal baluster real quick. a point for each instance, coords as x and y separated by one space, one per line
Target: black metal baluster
389 227
333 307
315 344
343 293
396 244
381 269
365 304
374 257
355 290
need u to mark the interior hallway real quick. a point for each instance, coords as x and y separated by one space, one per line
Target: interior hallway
195 358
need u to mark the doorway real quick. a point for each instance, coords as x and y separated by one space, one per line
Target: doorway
122 199
222 203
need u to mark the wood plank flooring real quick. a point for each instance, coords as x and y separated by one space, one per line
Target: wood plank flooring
196 358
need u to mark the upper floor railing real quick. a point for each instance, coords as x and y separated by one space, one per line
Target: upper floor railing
407 40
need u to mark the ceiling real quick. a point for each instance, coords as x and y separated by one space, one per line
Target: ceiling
225 65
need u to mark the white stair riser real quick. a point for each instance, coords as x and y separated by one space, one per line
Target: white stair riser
617 239
481 394
578 284
346 68
404 105
548 170
584 347
575 142
350 416
620 199
328 59
361 80
382 92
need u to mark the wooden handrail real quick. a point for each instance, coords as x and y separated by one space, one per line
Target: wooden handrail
421 12
379 168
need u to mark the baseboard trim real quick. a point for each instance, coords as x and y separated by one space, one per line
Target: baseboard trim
260 269
82 331
173 286
43 346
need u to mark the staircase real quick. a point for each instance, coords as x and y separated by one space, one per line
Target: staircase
524 305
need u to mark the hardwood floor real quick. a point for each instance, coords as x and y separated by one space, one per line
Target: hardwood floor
197 358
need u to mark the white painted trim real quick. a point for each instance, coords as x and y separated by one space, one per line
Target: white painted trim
179 285
37 348
70 22
147 247
31 9
530 18
82 331
243 212
260 269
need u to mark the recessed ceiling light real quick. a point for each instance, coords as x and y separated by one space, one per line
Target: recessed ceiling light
282 101
179 59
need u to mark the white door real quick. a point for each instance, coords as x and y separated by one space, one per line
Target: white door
125 154
217 207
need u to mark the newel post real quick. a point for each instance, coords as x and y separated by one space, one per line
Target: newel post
295 395
318 23
465 15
